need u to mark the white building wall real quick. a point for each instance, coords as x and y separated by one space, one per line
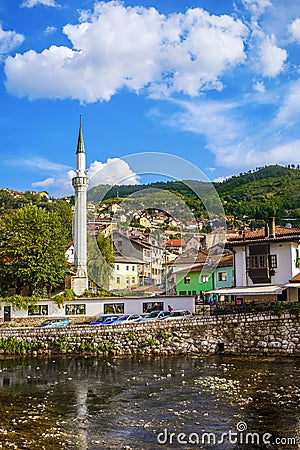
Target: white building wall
284 271
240 267
95 307
286 264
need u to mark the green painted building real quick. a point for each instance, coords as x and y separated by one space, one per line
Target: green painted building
196 280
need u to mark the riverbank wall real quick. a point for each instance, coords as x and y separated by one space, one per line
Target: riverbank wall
240 335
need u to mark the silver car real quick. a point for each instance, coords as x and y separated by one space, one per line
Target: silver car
178 314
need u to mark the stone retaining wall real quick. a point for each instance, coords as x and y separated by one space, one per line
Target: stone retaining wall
230 335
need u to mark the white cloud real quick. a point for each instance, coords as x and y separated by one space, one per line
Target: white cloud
290 108
45 183
32 3
51 29
131 47
8 41
257 7
214 120
259 86
294 29
114 171
225 127
39 164
271 57
221 179
279 154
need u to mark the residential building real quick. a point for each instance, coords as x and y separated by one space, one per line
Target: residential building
195 242
126 275
145 222
212 272
216 237
137 262
266 265
175 245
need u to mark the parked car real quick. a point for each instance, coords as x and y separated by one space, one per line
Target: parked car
179 314
154 315
54 323
128 318
106 319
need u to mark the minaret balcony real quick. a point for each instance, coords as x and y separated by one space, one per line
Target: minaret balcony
80 181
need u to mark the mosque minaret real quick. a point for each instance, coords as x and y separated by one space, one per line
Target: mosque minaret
80 183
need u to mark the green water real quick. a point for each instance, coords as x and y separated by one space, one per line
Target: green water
90 403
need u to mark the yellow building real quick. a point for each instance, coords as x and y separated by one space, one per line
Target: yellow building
126 275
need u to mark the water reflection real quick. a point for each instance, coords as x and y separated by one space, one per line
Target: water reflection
89 403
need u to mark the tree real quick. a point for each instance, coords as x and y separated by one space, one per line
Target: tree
64 212
32 253
100 260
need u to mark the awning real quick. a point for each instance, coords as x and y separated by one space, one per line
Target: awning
255 290
292 285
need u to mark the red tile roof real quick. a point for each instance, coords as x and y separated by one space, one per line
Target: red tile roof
296 278
281 234
175 243
225 261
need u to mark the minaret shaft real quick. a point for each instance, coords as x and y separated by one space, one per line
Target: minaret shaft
80 183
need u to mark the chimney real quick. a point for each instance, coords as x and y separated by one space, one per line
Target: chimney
272 227
266 230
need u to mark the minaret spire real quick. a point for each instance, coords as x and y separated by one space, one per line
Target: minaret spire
80 183
80 143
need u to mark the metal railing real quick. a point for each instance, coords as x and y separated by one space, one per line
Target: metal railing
271 308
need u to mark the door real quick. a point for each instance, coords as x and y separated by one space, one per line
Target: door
7 313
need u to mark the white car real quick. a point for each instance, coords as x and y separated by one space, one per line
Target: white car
128 318
178 314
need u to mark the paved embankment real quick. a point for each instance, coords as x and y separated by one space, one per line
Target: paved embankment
233 335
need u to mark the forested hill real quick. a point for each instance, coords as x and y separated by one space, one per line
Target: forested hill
265 192
260 193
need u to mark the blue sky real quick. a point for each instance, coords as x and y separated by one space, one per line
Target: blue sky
215 82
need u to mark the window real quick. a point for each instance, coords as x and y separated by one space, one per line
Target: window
262 261
133 280
204 278
113 308
182 292
222 276
127 267
132 268
151 306
38 310
187 280
72 310
253 262
257 262
118 280
273 261
117 267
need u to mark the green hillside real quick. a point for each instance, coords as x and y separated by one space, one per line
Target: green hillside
268 191
258 194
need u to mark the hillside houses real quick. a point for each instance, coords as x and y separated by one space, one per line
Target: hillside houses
252 265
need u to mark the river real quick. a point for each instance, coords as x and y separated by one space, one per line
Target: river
147 404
